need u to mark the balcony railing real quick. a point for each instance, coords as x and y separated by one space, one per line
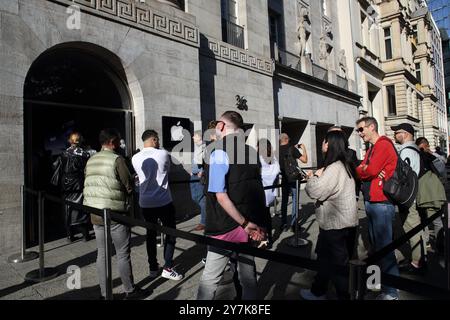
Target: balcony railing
232 33
342 82
289 60
319 72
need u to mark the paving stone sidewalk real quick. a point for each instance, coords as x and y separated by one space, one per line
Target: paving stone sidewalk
275 281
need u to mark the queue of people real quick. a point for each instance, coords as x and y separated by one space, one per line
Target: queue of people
228 186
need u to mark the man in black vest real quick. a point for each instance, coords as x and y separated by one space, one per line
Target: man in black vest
235 205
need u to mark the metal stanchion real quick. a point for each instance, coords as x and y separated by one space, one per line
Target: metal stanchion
42 274
447 243
23 256
296 241
108 269
161 236
355 280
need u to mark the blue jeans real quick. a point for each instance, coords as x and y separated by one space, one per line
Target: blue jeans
216 261
287 189
380 219
198 195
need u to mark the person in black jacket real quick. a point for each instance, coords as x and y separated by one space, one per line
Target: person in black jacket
70 177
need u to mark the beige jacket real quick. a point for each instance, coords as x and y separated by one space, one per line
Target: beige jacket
334 192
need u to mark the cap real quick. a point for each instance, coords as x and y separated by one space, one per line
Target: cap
405 127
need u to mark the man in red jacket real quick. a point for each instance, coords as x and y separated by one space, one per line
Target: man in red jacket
380 160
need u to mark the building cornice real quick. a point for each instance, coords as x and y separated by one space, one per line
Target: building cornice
310 83
373 70
366 64
228 53
141 16
403 117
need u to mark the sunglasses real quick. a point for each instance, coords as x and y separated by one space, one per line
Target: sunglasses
361 129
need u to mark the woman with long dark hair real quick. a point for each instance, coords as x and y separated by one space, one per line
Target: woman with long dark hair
333 189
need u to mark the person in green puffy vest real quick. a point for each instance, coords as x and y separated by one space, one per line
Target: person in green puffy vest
107 185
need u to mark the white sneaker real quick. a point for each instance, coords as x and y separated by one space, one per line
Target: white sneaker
171 274
386 296
308 295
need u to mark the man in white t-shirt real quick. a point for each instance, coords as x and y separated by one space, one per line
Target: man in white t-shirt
152 167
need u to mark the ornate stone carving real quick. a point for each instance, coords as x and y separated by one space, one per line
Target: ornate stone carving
242 58
140 15
343 63
323 51
304 32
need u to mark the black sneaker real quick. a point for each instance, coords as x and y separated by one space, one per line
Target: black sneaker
137 294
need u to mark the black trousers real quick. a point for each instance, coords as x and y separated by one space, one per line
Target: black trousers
333 247
167 216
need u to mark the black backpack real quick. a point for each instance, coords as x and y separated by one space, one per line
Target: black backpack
291 168
401 189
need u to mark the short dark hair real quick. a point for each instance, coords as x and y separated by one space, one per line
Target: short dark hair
149 134
421 140
212 124
368 121
235 118
107 135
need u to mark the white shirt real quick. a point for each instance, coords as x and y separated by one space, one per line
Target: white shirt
269 172
152 167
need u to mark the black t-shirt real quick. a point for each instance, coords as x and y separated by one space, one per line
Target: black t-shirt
283 152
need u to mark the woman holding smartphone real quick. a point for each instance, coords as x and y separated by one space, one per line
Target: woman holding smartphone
333 189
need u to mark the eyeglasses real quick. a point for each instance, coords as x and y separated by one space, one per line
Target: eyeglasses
360 129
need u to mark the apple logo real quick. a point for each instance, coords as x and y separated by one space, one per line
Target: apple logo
176 132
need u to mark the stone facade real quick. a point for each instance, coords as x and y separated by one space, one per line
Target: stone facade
314 85
177 59
414 69
156 47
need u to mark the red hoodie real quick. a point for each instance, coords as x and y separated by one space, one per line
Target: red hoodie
383 157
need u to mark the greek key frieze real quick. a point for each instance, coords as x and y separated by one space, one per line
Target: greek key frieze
140 15
226 52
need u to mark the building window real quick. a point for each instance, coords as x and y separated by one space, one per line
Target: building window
388 43
275 29
418 74
232 32
392 107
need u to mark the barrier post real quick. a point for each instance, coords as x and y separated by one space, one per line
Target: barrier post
447 244
108 269
23 255
355 280
296 241
42 274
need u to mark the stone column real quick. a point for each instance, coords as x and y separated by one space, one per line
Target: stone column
396 39
313 148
